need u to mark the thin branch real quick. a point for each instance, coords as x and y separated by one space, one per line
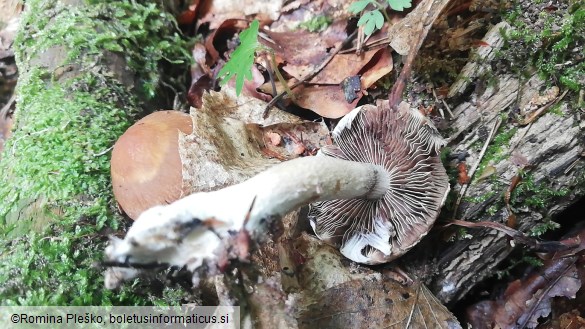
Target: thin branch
476 164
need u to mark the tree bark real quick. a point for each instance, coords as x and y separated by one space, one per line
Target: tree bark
545 155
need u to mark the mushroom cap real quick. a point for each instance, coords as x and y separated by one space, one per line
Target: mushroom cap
146 167
407 145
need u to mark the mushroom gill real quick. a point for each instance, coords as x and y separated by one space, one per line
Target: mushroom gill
407 145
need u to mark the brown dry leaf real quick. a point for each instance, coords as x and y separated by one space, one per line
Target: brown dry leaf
217 41
527 300
568 320
531 299
217 11
327 101
200 76
376 303
301 50
382 66
228 145
463 177
340 67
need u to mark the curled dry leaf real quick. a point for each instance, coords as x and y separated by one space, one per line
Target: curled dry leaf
382 65
340 67
201 76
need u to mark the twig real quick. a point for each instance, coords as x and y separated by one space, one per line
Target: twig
541 110
310 75
6 108
103 152
373 44
520 237
444 103
476 164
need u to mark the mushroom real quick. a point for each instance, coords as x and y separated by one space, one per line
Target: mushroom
379 229
145 166
375 195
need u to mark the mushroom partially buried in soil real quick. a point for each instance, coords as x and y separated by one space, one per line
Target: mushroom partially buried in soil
375 195
145 164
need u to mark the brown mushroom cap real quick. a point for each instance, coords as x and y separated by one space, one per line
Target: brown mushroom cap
405 143
145 166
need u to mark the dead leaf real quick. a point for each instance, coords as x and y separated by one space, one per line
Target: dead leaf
301 50
382 65
327 101
376 304
340 67
463 178
527 300
216 42
487 172
201 76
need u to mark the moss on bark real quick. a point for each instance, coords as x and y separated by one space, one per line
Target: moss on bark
86 68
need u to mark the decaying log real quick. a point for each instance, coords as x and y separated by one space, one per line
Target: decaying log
545 155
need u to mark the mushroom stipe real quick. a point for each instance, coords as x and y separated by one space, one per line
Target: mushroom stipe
374 194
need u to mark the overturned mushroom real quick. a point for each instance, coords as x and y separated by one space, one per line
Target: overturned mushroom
378 229
386 162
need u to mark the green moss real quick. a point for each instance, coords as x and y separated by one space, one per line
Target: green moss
57 197
479 198
526 260
555 48
317 23
535 195
541 228
497 150
493 209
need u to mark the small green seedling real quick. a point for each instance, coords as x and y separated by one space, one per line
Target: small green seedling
374 19
240 64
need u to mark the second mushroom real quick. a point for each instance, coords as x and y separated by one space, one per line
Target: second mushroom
374 194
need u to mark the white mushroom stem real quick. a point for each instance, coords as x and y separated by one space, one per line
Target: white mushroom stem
283 188
166 234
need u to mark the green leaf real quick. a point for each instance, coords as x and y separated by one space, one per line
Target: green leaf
400 5
240 64
358 6
373 21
